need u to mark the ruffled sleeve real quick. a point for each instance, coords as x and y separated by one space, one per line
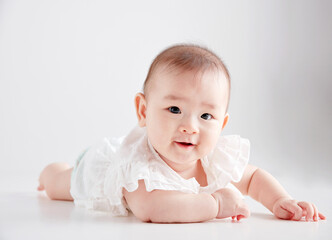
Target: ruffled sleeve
228 160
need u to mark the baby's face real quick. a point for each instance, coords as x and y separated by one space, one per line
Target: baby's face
185 114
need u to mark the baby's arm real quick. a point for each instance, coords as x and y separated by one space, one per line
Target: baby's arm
173 206
263 187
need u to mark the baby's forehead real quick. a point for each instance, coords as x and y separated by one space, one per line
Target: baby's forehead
163 76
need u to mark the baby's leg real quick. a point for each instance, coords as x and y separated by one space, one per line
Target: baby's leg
55 180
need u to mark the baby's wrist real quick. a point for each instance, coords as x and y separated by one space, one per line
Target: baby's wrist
281 198
278 199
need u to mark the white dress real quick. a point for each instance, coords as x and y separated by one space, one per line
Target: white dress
102 172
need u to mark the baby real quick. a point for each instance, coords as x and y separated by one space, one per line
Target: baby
175 166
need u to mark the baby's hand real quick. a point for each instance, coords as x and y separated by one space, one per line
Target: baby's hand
289 209
231 204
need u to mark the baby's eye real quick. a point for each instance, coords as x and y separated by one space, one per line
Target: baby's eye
174 110
206 116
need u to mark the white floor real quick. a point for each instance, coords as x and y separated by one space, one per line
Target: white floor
31 215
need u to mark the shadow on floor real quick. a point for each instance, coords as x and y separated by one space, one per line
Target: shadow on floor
264 216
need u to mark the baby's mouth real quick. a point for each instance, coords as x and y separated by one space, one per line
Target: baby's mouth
185 144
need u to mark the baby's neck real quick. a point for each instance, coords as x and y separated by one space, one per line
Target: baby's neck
187 171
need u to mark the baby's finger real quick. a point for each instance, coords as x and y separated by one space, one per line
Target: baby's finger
309 209
239 217
315 217
317 214
321 216
304 213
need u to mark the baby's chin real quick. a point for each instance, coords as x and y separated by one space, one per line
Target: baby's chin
179 159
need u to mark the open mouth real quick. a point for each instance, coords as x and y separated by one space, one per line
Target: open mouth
185 144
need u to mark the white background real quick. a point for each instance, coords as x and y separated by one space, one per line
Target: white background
69 71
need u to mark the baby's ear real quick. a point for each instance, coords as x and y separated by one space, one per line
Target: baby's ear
140 105
226 118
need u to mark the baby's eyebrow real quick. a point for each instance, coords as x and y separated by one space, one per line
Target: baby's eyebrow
174 97
209 105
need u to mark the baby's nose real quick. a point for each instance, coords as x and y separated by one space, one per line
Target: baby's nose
189 126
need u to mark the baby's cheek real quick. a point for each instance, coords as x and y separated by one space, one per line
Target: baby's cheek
211 141
207 145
